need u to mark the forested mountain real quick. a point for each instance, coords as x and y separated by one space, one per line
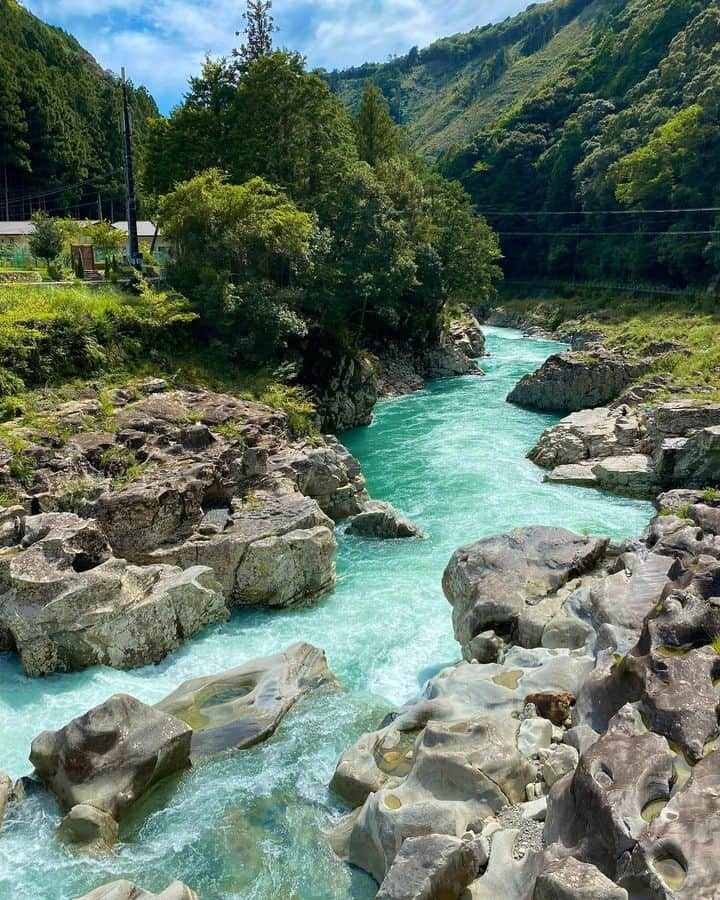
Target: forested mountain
631 127
623 121
59 119
446 92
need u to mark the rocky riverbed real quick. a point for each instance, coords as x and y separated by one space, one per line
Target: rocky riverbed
450 790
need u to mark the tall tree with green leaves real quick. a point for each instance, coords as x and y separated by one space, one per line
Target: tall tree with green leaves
47 241
259 29
376 133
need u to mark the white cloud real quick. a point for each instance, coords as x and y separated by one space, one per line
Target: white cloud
162 42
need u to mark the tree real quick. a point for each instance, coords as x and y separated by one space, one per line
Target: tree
259 28
375 131
47 241
289 129
108 240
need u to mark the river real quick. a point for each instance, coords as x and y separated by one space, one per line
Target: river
452 458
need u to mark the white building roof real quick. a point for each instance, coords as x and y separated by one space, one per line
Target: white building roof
145 228
14 229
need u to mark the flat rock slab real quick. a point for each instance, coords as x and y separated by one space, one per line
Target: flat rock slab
244 706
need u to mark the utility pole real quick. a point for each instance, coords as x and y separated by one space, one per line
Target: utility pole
133 246
99 209
7 199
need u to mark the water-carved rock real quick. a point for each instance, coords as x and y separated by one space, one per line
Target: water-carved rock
244 706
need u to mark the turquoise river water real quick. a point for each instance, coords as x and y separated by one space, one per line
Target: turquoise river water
452 457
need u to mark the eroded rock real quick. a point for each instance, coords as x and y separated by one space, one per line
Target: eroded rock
244 706
126 890
109 757
382 521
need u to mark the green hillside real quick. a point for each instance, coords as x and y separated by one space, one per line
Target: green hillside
59 118
611 170
455 87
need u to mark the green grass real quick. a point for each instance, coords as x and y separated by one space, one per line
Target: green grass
635 323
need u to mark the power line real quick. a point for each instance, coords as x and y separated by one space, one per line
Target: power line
605 233
61 190
597 212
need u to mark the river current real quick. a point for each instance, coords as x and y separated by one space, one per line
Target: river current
452 458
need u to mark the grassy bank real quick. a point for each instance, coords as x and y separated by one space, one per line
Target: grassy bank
635 322
57 343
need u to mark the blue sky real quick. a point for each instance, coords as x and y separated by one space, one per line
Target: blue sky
162 42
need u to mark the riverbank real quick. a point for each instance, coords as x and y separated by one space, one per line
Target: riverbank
248 825
641 387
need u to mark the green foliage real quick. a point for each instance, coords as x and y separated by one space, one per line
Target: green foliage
59 115
51 334
47 241
294 402
295 234
629 125
375 132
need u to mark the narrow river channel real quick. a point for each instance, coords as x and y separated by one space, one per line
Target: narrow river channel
452 458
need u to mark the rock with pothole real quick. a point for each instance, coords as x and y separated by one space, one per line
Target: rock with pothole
126 890
108 758
675 857
596 814
382 521
461 774
491 583
242 707
383 758
434 867
66 603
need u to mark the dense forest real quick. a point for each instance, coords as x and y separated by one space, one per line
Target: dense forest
59 121
446 92
299 227
607 166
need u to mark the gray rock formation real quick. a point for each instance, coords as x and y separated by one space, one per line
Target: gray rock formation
66 603
108 758
382 521
572 381
569 879
244 706
491 583
467 336
126 890
671 445
434 867
346 396
461 774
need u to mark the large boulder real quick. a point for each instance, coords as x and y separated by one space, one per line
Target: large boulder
67 604
108 758
572 381
491 583
596 813
461 774
383 758
433 867
276 549
675 856
244 706
381 520
126 890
